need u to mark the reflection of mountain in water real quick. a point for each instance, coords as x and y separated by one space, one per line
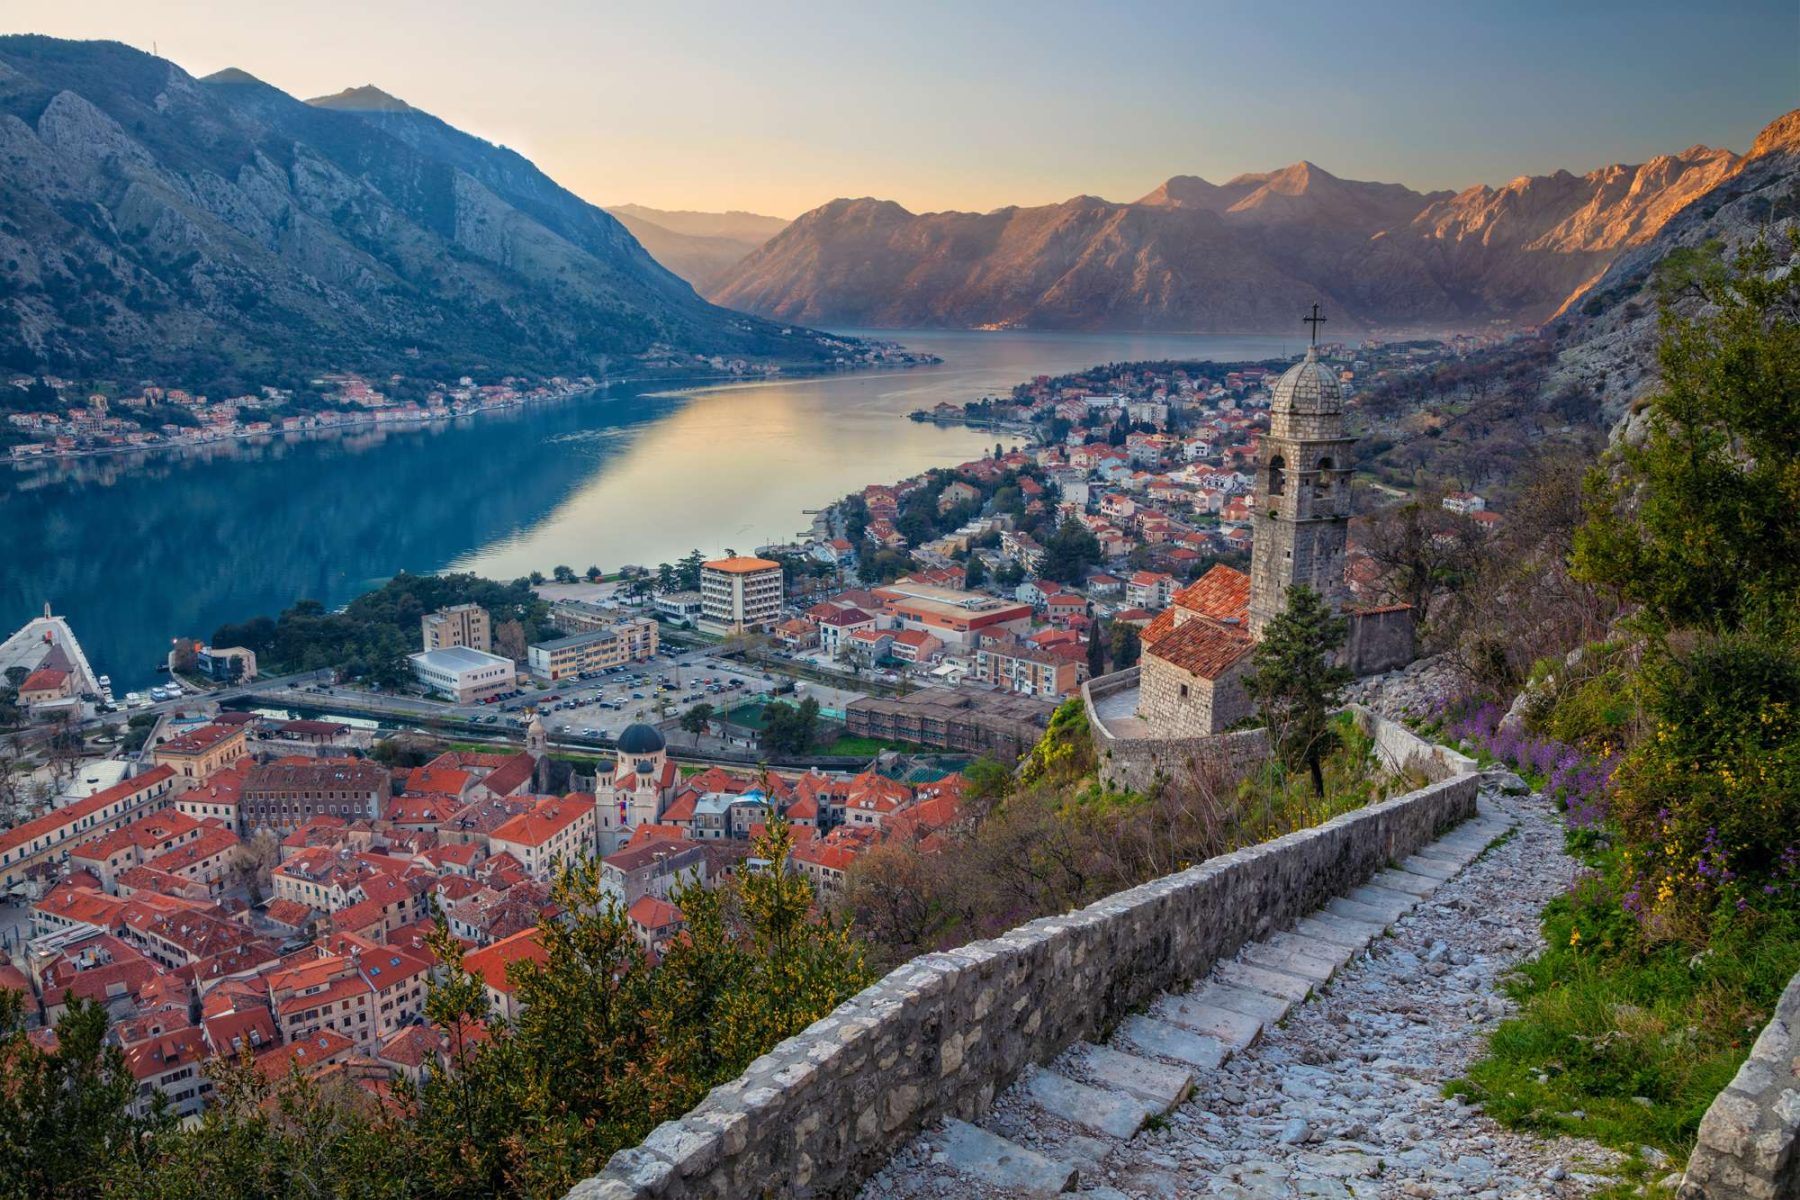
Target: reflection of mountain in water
136 553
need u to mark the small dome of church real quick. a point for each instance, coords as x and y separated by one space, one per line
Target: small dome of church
1309 386
641 739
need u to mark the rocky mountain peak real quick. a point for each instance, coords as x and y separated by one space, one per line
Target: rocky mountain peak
1184 191
1780 136
367 98
231 75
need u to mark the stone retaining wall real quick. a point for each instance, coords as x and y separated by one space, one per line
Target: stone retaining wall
1401 750
945 1033
1746 1146
1133 764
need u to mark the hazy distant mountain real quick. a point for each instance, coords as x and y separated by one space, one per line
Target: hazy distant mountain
1243 255
219 229
698 246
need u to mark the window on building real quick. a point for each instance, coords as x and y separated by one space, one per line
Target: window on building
1277 475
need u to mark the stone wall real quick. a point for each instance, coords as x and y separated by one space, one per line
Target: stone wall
1380 640
1746 1145
1134 760
944 1034
1402 750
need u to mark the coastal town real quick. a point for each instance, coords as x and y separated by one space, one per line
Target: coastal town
49 417
904 605
256 863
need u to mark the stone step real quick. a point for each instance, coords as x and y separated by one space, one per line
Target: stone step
1248 1001
1116 1114
993 1160
1288 961
1476 836
1392 905
1442 859
1163 1039
1307 946
1350 909
1233 1030
1148 1080
1292 988
1406 881
1458 851
1341 931
1431 868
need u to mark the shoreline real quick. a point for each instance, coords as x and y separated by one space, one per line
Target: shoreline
371 419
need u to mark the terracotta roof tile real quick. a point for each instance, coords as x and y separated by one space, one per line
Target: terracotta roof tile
1202 648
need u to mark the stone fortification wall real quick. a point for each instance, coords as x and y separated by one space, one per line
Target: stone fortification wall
1747 1138
944 1034
1401 750
1133 761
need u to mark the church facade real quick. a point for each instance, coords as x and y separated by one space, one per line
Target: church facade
1197 651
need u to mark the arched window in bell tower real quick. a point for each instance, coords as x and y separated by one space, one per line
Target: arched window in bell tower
1323 482
1277 475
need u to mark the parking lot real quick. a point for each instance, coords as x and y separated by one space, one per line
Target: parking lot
604 704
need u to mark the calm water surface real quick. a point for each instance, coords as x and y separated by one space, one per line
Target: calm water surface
137 552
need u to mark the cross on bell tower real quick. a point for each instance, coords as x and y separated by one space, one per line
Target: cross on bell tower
1315 320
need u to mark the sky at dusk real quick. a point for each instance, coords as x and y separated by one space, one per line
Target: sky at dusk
777 107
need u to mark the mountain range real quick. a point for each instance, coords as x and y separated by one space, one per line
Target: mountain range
219 229
1244 255
1610 352
698 246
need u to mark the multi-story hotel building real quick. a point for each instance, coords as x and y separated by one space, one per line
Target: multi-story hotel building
738 594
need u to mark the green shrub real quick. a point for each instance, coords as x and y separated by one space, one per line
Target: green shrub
1708 803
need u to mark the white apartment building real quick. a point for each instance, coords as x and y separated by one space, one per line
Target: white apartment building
740 593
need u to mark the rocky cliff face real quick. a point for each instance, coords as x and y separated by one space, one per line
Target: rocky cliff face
1243 255
156 224
1611 345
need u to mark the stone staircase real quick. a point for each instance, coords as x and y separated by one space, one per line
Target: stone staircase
1149 1067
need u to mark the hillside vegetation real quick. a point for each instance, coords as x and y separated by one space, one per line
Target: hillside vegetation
1673 740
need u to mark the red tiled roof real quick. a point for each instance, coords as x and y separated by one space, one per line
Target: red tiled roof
71 815
198 741
489 963
1202 648
653 912
550 817
1222 594
45 679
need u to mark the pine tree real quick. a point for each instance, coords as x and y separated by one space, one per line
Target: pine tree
1295 682
1096 651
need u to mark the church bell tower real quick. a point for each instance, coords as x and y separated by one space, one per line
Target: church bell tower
1302 494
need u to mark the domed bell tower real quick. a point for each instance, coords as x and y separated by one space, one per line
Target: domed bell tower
1302 508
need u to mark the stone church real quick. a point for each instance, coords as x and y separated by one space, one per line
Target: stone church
1197 651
